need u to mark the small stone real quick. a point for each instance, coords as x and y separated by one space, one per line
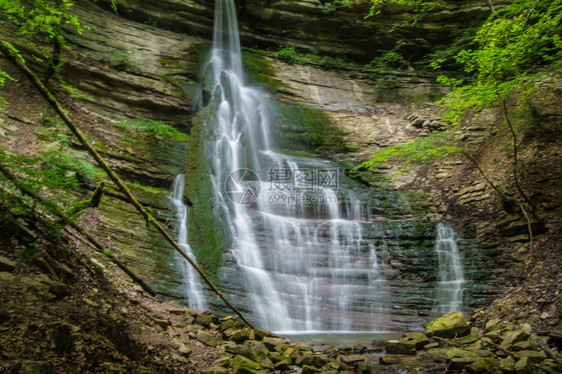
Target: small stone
460 353
240 336
309 370
419 339
90 302
207 338
311 360
289 352
273 343
259 334
36 367
184 350
352 359
526 345
533 356
243 365
523 366
214 370
228 324
483 365
458 364
377 346
204 320
163 323
431 345
400 347
282 366
6 265
507 365
359 348
512 337
303 347
389 360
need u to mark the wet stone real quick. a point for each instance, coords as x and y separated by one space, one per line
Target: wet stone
399 347
36 367
459 364
448 326
6 265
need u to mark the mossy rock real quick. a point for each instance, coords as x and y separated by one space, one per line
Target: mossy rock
523 366
483 365
400 347
513 337
507 365
460 353
240 335
310 370
243 365
207 338
419 339
458 364
533 356
449 326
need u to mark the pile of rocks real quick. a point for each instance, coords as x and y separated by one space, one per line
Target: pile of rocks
244 350
496 347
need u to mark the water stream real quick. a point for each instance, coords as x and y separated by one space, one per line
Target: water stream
294 228
449 293
192 282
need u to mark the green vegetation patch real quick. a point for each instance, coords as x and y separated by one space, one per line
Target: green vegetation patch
307 129
155 128
259 70
207 231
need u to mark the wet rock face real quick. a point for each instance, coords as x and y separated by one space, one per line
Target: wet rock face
305 24
408 266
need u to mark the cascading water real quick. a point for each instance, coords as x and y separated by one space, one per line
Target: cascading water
296 233
191 279
449 293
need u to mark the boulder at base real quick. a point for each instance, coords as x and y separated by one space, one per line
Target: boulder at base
449 326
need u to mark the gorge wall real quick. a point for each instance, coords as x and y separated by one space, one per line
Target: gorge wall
142 64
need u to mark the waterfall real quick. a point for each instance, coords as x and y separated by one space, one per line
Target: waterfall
191 279
449 293
296 231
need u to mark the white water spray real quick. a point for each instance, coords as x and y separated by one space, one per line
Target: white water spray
449 294
191 279
299 246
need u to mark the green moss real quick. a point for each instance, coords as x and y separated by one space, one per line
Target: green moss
150 189
259 70
307 129
155 128
198 54
207 232
168 62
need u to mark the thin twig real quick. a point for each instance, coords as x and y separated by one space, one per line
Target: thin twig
515 155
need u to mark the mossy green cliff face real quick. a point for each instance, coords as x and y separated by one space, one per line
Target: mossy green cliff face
207 232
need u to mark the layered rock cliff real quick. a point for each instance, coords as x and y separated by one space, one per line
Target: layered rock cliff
141 63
